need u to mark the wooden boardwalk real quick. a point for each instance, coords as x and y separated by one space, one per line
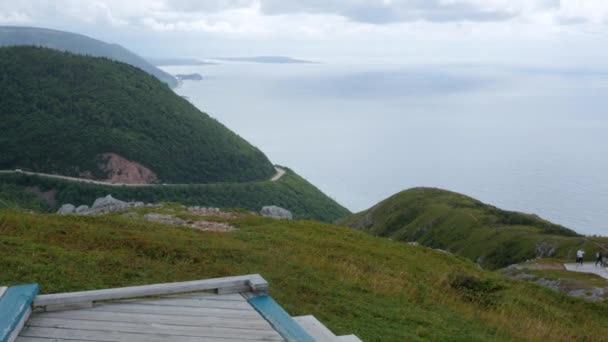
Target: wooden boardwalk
588 267
187 317
221 309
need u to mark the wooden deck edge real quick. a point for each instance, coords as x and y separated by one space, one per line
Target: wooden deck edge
15 308
253 282
279 319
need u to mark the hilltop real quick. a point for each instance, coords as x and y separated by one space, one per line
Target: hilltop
95 118
80 44
379 289
492 237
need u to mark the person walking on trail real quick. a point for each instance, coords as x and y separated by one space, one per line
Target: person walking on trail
580 256
599 259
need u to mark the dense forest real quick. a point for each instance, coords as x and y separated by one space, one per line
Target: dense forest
59 112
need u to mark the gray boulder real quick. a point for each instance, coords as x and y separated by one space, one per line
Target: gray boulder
276 212
66 209
81 209
108 201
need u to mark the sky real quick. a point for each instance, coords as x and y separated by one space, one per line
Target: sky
561 33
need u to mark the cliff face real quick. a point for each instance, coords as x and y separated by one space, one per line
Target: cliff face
122 171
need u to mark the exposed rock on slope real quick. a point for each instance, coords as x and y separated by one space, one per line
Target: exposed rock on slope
276 212
123 171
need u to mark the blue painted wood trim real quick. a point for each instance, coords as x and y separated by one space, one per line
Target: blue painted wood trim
279 319
13 306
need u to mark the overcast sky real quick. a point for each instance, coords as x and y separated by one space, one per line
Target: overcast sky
533 32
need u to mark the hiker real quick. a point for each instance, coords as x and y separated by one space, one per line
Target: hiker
599 259
580 256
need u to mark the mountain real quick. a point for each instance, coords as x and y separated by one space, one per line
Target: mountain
450 221
378 289
95 118
264 59
76 43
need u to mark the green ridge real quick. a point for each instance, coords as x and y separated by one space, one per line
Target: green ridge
483 233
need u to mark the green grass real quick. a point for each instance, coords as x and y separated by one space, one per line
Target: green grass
492 237
291 192
379 289
60 112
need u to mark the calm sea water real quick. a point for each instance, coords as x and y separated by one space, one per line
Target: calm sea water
527 139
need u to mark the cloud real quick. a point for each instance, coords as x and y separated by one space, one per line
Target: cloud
382 12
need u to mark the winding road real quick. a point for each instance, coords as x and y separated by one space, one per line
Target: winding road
280 173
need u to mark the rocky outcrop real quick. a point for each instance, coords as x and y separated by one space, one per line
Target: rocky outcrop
546 249
123 171
276 213
81 209
103 205
108 201
66 209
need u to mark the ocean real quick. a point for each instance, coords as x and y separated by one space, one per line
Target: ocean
520 138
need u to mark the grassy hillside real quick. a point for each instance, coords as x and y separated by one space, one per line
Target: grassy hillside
60 112
462 225
291 192
76 43
379 289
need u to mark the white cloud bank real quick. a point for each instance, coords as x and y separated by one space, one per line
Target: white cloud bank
380 27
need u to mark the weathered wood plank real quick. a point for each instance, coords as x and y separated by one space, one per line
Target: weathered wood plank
255 281
72 306
154 329
207 296
170 310
246 323
234 289
43 339
315 329
113 336
191 302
